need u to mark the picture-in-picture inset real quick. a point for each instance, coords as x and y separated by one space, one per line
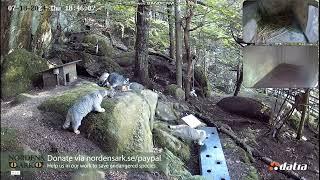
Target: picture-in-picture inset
280 21
281 66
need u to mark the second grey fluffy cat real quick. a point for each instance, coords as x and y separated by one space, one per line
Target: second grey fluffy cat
82 107
187 133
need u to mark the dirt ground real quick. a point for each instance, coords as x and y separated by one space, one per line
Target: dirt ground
41 132
287 149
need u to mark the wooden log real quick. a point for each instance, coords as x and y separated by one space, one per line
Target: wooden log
155 53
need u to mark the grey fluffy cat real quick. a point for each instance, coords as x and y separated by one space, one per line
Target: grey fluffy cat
112 80
187 133
88 103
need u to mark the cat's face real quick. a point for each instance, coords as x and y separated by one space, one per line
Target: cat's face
126 81
103 77
203 136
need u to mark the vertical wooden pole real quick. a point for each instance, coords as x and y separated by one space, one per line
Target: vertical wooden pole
303 114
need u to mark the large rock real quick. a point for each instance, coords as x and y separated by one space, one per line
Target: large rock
104 44
175 168
247 107
163 138
125 59
165 111
97 65
125 126
176 91
19 72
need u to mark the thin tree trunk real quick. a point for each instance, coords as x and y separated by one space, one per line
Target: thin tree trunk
171 31
303 114
178 43
141 46
239 81
188 82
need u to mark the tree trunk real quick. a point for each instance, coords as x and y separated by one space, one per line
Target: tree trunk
239 80
141 46
5 27
171 30
303 114
178 43
189 14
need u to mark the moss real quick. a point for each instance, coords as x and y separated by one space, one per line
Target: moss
101 64
24 31
124 127
165 140
23 97
9 140
244 157
19 71
252 175
61 104
175 91
125 59
104 43
173 167
43 36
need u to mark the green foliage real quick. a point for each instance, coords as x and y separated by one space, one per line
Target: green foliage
216 20
253 174
159 35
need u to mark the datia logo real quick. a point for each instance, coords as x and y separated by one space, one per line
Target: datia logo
287 166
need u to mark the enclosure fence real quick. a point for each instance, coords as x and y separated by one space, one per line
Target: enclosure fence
313 104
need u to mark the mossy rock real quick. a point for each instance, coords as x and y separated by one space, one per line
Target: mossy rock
96 65
164 139
124 127
175 91
61 104
125 59
165 111
19 71
173 167
104 44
